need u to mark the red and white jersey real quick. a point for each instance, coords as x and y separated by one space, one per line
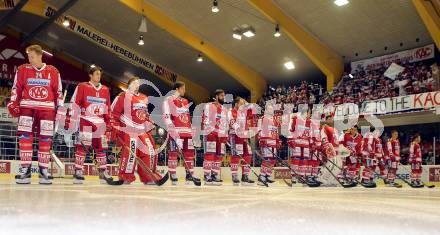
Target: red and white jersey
353 143
368 144
393 148
300 131
37 88
215 119
329 135
239 121
415 152
268 128
93 103
177 116
131 110
378 147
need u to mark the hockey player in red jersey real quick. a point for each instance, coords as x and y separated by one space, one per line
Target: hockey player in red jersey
269 142
132 127
238 118
178 123
36 96
214 128
393 157
353 142
90 110
329 138
302 144
415 159
368 159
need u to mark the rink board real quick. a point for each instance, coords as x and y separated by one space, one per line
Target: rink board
431 173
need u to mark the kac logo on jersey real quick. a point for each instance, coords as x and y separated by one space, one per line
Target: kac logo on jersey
141 114
38 92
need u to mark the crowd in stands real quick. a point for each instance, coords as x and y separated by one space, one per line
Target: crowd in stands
363 85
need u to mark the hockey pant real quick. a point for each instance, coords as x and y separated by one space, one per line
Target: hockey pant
91 137
186 147
303 162
240 147
143 146
43 121
215 149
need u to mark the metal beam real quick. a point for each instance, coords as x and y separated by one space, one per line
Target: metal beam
429 12
4 21
328 61
250 79
49 21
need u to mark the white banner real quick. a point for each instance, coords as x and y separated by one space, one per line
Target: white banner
426 100
413 55
5 116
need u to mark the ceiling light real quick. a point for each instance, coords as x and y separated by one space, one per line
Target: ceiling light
200 58
350 75
277 32
143 25
92 66
66 22
341 2
141 41
236 33
249 31
289 65
214 7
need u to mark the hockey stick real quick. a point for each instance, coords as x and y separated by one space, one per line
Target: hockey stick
255 173
109 181
158 182
331 172
196 182
409 183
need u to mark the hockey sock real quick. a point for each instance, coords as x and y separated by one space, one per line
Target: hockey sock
25 146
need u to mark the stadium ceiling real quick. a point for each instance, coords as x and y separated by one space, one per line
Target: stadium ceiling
358 27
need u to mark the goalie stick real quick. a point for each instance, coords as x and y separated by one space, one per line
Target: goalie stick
196 182
408 182
110 180
158 182
331 173
255 173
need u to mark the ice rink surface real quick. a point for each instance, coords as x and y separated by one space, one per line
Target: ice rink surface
92 208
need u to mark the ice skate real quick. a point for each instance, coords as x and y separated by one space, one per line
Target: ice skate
207 179
262 180
235 180
173 178
216 179
416 184
311 182
104 177
368 183
269 179
78 177
44 176
24 177
245 181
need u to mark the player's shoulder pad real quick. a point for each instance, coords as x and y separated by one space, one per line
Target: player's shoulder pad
52 68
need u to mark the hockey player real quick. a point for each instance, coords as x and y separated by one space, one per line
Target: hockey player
90 110
238 118
415 159
214 127
379 154
368 159
393 158
178 123
329 138
353 142
35 97
132 127
301 143
269 143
